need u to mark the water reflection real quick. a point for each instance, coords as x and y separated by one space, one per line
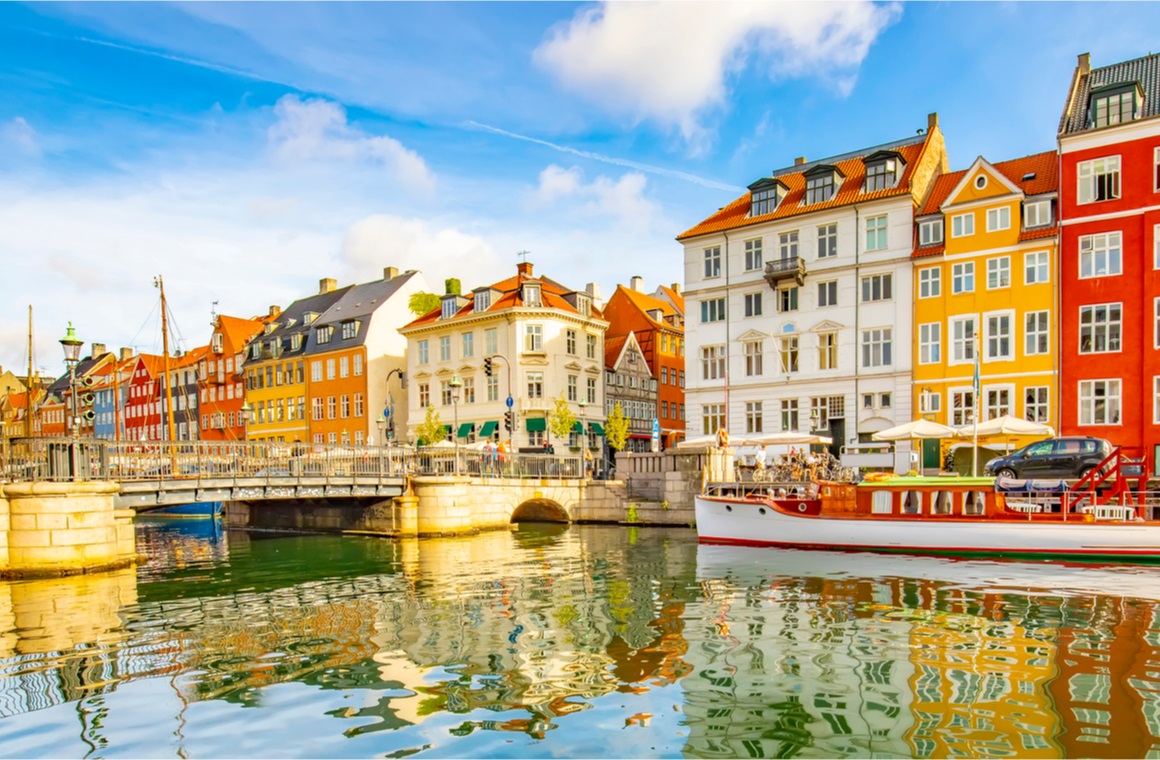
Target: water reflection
569 641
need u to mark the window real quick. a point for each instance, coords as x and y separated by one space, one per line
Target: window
713 261
930 232
358 365
469 390
1036 214
570 342
962 335
1157 185
885 400
713 310
490 342
424 395
493 388
1035 403
963 277
753 421
880 175
787 243
1036 333
787 299
1099 328
712 418
316 407
468 345
345 406
1113 108
591 348
343 368
763 202
963 225
930 282
1156 246
998 219
591 390
423 357
929 343
876 347
876 233
1099 179
999 272
315 372
329 371
532 295
573 388
827 241
998 402
1099 402
828 293
929 402
962 407
323 334
349 330
753 304
533 337
1099 255
712 363
828 350
1156 323
788 353
1035 268
820 189
1156 400
753 365
789 414
482 301
358 406
753 255
331 407
877 287
445 348
535 385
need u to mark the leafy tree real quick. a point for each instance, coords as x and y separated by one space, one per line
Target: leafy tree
616 428
561 420
431 429
420 303
451 286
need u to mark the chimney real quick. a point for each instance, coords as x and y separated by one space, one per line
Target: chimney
99 350
1084 62
636 283
275 310
524 268
126 353
593 291
931 121
390 273
676 288
327 285
799 160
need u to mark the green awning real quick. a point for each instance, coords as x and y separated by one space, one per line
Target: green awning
448 429
537 424
465 429
578 428
488 429
595 427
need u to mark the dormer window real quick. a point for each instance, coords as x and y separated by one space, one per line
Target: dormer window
821 183
532 295
1036 214
482 300
215 343
350 330
930 232
449 308
324 334
583 305
882 170
1114 105
764 196
270 327
295 342
309 317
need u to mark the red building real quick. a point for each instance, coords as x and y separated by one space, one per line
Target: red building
1109 144
143 405
222 391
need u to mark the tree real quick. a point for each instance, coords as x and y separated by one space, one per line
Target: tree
451 286
616 428
561 420
431 429
420 303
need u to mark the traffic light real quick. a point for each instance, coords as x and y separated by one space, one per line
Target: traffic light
507 421
487 366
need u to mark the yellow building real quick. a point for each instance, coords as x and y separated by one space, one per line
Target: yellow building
985 268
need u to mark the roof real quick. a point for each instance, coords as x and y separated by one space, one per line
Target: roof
851 165
290 321
237 331
1041 170
612 349
646 303
154 364
676 297
359 302
1145 71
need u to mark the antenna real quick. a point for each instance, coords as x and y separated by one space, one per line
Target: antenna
525 254
213 314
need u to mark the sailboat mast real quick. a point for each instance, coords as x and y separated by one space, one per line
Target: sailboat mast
28 398
165 348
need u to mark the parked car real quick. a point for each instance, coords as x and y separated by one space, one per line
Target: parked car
1053 458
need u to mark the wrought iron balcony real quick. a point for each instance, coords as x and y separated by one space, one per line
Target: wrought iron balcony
778 270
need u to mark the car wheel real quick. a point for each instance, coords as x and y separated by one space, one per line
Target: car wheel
1083 472
1005 472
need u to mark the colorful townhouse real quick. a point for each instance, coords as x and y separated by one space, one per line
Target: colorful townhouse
629 382
1109 147
274 367
659 331
111 394
353 351
544 340
143 404
221 393
985 282
183 387
799 296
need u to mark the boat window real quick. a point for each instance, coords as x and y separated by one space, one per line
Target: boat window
973 504
944 502
912 502
882 502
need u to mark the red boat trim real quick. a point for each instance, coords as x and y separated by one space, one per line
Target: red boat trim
958 551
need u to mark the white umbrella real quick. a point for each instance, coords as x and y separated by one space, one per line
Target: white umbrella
788 438
1005 425
709 441
915 429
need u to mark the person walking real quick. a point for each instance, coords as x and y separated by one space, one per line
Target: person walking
588 463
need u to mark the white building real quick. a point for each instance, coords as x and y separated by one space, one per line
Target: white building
799 306
544 339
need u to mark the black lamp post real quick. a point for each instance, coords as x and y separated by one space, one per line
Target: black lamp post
72 355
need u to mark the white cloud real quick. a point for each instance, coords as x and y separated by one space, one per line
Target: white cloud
670 62
622 199
557 182
314 130
19 134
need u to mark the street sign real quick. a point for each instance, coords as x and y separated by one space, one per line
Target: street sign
656 428
510 402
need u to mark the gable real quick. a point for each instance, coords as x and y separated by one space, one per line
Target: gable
752 335
826 325
995 184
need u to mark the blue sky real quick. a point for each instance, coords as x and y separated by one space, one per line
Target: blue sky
243 151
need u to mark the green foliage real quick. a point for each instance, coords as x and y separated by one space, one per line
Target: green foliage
616 428
421 303
451 286
632 516
431 429
665 505
561 420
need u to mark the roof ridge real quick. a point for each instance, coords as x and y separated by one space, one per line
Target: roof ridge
851 154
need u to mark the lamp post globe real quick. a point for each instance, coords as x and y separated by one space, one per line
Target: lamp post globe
246 413
72 354
455 385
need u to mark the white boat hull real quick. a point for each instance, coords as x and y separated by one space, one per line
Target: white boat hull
742 522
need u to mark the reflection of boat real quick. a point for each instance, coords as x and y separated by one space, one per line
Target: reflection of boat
201 509
946 516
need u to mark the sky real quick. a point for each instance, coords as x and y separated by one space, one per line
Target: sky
244 151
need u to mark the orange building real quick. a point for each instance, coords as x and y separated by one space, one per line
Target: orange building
221 384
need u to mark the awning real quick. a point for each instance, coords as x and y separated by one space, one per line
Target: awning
537 424
465 429
488 429
595 427
578 428
448 429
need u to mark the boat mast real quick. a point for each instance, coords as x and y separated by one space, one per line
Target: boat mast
165 348
28 379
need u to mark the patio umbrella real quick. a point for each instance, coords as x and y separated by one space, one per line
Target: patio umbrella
915 430
1006 426
709 441
788 438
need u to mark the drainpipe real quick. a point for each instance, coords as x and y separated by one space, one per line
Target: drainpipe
728 318
857 316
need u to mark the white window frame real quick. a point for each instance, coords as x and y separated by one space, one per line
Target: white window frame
884 281
712 262
1040 210
1045 404
753 255
1156 170
930 343
987 336
827 355
828 240
880 338
929 402
986 401
787 245
960 274
967 411
713 310
1087 398
1156 243
1156 399
752 303
1087 174
930 232
876 233
997 267
789 354
998 219
754 414
963 225
754 358
962 348
930 282
1032 332
1156 323
1109 245
826 287
1107 326
1036 264
533 338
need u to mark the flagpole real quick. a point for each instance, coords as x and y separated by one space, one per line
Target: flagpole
978 392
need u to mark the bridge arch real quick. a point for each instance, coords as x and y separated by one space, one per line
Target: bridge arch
540 510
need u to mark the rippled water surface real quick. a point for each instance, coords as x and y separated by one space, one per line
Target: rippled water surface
579 641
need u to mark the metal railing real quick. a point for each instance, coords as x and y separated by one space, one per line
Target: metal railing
75 459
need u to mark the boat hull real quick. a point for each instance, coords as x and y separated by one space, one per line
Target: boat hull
197 509
750 523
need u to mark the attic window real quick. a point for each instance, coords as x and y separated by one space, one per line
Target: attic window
820 189
763 201
309 317
532 295
324 334
295 342
1115 105
881 175
1028 176
482 300
215 343
350 330
583 305
270 327
449 308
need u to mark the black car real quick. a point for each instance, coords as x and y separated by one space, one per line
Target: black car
1053 458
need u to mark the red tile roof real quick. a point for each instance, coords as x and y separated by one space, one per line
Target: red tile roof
923 253
1038 233
237 331
678 298
612 349
646 303
1044 166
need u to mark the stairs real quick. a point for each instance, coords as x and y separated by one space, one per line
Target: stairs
1121 480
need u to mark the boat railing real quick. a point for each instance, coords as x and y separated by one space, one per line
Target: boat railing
751 490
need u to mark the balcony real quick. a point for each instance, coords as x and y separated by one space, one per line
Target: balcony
778 270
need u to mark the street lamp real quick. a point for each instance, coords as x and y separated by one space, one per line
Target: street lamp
381 422
72 354
456 384
246 413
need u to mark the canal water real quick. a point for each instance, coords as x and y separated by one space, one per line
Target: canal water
580 641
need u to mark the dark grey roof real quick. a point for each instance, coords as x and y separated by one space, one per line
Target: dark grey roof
291 321
359 302
1145 71
852 154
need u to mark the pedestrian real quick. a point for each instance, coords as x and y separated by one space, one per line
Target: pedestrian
588 463
759 464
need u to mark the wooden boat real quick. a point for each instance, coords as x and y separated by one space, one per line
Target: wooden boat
944 516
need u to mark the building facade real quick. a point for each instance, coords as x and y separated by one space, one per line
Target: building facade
799 296
629 382
221 389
